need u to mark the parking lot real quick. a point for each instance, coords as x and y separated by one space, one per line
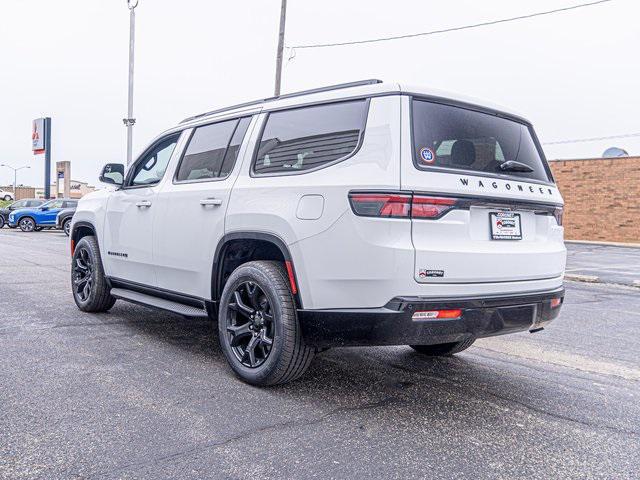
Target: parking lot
139 393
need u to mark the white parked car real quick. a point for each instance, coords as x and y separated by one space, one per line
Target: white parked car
6 195
367 213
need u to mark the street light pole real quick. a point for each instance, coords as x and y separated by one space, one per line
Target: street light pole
283 14
129 122
15 176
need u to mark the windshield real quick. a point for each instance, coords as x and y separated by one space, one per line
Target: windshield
457 138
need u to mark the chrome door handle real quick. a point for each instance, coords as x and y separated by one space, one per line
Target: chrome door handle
143 203
211 201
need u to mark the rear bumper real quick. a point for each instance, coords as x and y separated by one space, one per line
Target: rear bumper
393 324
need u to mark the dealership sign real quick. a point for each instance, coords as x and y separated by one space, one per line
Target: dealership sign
38 138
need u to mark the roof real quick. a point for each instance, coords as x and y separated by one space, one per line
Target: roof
362 88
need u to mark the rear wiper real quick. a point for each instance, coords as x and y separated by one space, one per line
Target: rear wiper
513 166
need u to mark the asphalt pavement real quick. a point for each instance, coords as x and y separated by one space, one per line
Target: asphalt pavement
136 393
610 264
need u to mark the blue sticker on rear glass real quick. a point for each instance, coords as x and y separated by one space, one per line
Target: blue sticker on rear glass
427 155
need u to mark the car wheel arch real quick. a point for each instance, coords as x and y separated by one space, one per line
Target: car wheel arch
81 229
263 246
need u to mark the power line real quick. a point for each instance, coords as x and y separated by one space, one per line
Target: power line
452 29
593 139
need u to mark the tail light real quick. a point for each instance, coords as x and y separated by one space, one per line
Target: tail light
430 207
381 205
558 214
395 205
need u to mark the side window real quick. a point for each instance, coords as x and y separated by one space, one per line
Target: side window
206 152
56 204
234 147
20 204
309 137
151 168
70 204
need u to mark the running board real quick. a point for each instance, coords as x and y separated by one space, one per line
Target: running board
161 303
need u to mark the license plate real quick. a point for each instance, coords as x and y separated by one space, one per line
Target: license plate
505 226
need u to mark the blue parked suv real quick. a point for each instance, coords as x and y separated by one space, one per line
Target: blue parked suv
44 216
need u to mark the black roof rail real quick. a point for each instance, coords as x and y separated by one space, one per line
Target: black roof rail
339 86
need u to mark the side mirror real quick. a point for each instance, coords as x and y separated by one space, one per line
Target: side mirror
112 173
44 209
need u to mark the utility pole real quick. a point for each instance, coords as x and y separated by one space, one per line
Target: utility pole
15 177
129 122
283 14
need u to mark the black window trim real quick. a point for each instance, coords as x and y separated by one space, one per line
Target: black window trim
129 177
175 180
487 111
363 127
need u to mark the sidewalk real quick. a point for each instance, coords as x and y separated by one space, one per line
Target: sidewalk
604 263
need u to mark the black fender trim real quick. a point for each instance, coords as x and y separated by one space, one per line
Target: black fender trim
216 271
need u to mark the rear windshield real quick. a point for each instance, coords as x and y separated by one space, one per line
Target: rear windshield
456 138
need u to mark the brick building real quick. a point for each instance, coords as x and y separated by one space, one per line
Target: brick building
602 198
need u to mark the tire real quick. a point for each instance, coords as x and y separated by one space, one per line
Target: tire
275 319
38 229
27 224
443 349
66 226
2 221
12 226
6 198
88 283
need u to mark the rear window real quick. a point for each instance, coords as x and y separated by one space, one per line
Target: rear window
310 137
451 137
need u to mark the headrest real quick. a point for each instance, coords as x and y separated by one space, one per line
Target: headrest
463 152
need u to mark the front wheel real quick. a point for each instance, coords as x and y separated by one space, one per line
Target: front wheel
6 198
443 349
88 283
27 224
66 227
2 222
258 326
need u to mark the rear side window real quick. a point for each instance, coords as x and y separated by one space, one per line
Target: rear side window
457 138
310 137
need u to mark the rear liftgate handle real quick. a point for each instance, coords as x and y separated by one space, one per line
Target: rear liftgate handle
211 201
143 203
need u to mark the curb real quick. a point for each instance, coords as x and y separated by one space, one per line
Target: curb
606 244
582 278
574 277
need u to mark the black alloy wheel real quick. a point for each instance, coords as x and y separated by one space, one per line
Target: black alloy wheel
82 274
250 326
258 326
27 224
90 288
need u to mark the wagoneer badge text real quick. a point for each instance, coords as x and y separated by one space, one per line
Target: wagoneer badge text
508 186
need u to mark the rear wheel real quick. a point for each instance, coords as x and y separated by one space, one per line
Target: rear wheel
66 227
443 349
258 326
27 224
88 283
6 198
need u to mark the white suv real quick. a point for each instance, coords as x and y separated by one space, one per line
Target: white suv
367 213
6 195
